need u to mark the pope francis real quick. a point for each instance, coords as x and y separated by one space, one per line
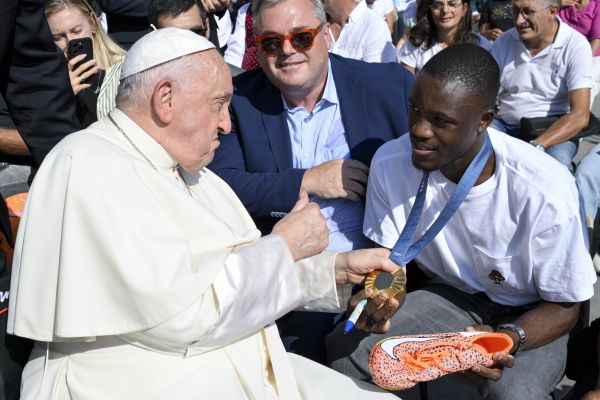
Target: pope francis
140 275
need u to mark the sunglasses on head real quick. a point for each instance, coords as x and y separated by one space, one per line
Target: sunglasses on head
301 40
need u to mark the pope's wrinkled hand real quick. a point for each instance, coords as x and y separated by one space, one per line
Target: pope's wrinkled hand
303 229
355 266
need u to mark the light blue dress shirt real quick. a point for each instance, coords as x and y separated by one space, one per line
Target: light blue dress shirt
317 137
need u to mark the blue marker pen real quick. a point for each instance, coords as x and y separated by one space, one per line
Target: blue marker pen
354 316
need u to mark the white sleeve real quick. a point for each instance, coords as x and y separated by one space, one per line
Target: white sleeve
580 66
408 54
388 6
260 283
223 28
562 267
378 224
379 47
236 45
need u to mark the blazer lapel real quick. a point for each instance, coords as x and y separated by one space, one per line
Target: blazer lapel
353 107
276 128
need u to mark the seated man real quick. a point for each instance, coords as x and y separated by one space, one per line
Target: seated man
358 32
308 121
511 259
546 70
139 273
183 14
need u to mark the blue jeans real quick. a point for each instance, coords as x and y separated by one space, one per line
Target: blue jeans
563 152
588 181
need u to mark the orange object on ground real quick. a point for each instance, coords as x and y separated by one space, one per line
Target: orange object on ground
400 362
15 205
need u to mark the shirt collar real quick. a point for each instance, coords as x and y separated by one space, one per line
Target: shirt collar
329 93
143 142
560 39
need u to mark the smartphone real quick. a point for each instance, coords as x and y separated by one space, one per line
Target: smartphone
84 46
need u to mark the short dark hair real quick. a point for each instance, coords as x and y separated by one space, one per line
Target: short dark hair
472 66
171 8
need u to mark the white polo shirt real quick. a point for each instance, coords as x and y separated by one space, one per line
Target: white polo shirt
417 57
518 236
365 37
382 7
539 86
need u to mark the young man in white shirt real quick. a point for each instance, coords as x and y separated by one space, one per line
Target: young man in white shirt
512 258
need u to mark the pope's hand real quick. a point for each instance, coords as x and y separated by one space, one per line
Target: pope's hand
303 229
353 267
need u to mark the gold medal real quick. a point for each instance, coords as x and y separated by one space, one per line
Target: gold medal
391 282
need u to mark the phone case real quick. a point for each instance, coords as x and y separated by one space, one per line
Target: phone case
84 46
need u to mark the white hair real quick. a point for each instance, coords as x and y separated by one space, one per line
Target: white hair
138 88
258 5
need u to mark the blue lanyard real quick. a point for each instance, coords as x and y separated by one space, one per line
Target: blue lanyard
403 251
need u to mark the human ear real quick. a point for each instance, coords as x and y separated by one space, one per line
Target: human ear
327 36
162 101
94 23
486 120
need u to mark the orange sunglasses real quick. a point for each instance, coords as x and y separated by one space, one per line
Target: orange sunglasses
301 40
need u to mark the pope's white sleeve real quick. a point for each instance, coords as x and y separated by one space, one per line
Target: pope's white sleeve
259 283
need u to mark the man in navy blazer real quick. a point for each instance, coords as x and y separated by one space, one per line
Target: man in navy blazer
309 121
256 159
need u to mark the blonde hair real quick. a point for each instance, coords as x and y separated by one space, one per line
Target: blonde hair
106 51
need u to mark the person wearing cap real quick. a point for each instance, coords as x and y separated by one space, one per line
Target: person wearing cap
138 272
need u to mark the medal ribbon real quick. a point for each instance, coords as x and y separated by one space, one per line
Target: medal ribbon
403 251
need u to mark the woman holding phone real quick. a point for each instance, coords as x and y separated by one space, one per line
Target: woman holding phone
440 23
71 21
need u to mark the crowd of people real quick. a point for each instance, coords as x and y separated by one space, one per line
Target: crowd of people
210 183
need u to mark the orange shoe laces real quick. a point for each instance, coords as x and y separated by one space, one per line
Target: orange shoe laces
418 361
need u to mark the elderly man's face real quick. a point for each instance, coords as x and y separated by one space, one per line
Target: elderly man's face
445 129
291 70
201 111
532 19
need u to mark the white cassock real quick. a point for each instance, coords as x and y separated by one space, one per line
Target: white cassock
139 283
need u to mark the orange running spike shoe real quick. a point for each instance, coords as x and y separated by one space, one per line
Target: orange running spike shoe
400 362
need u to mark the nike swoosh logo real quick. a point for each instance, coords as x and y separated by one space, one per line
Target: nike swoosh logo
388 345
3 310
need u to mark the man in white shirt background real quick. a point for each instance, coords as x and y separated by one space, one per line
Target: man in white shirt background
546 70
358 32
386 10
